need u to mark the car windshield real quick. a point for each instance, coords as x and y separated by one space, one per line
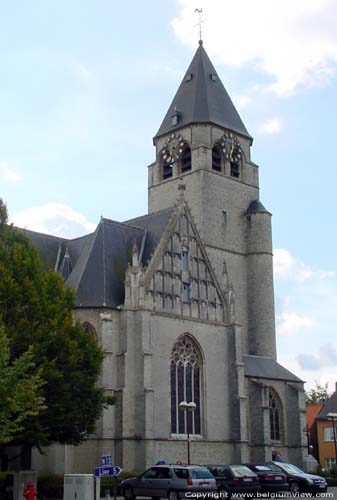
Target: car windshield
201 474
262 467
290 468
241 470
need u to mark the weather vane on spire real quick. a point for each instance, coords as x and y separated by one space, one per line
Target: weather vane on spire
199 11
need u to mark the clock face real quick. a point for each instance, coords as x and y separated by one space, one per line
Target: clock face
173 149
231 147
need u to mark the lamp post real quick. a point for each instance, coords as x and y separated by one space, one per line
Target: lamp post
187 407
333 418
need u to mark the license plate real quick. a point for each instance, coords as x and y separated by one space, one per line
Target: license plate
322 485
278 478
247 479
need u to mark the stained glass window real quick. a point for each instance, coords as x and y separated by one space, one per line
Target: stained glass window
275 414
186 366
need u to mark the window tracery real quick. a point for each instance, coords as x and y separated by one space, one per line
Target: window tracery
275 415
186 368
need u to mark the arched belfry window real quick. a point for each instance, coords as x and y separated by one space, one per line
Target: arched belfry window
186 372
275 414
216 158
186 159
167 168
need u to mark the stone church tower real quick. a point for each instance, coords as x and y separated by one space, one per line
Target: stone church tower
182 302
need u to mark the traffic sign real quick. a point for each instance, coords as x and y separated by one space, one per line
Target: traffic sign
103 471
106 460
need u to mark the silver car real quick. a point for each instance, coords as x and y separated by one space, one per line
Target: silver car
172 482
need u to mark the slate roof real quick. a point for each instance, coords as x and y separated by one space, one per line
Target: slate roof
256 207
202 98
48 246
268 368
95 264
329 407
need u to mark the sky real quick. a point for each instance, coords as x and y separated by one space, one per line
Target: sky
85 85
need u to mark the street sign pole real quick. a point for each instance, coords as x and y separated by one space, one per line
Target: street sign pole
97 488
115 487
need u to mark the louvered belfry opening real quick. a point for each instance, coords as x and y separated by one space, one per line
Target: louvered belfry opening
186 159
216 158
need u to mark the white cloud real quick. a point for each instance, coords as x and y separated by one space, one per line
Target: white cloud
272 126
54 218
293 43
290 323
9 174
287 267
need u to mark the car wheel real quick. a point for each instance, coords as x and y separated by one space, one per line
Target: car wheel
172 495
128 493
294 488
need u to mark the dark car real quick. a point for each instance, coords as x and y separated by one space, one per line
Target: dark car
270 480
170 481
237 479
300 481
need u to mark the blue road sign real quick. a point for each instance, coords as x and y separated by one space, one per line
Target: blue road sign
106 460
114 470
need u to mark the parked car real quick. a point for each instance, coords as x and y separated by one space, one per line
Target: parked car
237 479
170 481
300 481
270 480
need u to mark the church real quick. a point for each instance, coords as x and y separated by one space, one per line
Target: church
181 301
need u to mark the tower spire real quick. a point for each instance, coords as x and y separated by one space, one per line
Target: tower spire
202 98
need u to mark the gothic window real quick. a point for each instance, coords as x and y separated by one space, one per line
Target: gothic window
216 158
275 414
235 168
186 159
87 327
186 370
167 170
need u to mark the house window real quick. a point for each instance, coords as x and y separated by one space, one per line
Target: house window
330 463
186 159
186 369
328 434
275 414
216 158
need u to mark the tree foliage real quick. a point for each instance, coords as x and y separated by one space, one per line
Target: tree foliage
20 390
37 310
317 394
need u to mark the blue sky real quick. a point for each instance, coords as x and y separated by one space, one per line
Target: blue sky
84 87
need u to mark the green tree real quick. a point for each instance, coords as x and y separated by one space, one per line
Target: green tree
37 310
316 394
20 390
